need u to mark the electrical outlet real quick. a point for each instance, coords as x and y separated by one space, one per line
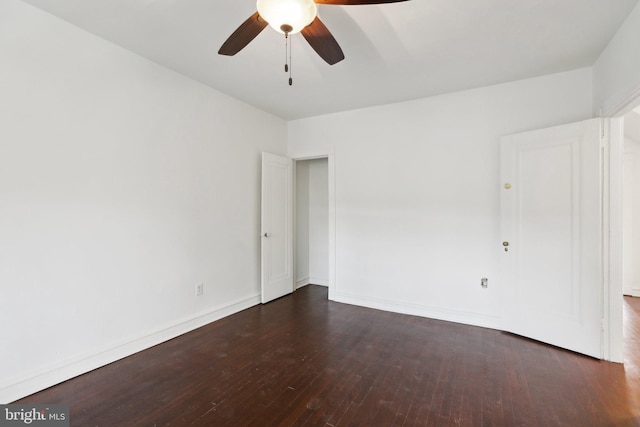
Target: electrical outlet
199 289
484 282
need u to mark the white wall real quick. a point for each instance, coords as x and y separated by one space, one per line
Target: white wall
319 222
417 192
122 186
616 73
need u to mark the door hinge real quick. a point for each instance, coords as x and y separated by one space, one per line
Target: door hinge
602 324
604 141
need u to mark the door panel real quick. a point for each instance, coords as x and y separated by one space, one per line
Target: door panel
277 226
550 217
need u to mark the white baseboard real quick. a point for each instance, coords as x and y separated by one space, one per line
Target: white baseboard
311 281
302 282
20 387
633 292
318 281
457 316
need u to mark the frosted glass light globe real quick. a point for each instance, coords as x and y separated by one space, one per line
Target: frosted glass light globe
296 14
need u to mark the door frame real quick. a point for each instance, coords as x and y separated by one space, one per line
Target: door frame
330 156
613 128
613 136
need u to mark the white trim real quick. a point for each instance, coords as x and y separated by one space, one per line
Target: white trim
17 388
318 281
449 315
294 210
605 240
612 242
309 157
332 222
618 106
612 260
302 282
633 292
311 281
615 108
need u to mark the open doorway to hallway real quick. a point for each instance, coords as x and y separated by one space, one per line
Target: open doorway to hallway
312 222
631 204
631 231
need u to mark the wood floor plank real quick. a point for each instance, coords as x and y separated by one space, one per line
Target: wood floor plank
305 361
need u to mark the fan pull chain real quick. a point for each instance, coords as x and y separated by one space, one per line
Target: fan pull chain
287 50
290 63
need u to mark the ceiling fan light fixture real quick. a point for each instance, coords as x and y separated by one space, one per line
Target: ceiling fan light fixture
292 15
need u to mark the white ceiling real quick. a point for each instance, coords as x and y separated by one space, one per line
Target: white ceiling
394 52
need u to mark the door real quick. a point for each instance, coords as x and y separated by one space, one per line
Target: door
550 225
277 227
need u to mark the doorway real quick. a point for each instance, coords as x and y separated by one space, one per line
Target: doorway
631 204
616 243
311 222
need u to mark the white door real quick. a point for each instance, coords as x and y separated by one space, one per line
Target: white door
550 225
277 226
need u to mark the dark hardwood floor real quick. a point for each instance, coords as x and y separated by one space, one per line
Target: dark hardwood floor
302 360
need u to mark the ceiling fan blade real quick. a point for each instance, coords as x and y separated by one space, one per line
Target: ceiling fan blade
243 35
321 40
356 2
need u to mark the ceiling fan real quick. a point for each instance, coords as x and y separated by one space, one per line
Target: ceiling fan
290 17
